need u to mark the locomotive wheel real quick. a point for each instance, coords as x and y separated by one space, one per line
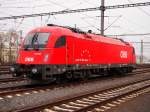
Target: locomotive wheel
77 75
69 75
122 71
58 79
84 75
17 74
89 73
130 69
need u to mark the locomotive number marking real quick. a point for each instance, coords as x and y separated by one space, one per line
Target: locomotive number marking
29 59
123 54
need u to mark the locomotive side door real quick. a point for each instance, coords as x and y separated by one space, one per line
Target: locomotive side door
70 50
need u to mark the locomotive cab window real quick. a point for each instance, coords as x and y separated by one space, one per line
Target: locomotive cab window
36 40
133 50
60 42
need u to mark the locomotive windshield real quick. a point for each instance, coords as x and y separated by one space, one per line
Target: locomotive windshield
36 40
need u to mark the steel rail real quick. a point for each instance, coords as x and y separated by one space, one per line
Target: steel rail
86 101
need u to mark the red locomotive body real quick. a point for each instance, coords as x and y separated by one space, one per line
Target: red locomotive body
55 51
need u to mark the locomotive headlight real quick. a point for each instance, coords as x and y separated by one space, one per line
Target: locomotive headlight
12 69
34 70
46 58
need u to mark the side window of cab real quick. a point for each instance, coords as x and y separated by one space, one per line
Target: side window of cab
60 42
133 50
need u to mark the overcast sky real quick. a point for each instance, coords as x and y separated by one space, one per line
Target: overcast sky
125 21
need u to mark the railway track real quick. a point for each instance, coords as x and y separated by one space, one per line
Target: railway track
23 89
4 69
96 101
10 83
20 90
86 102
5 80
4 66
9 92
4 72
140 66
139 71
16 80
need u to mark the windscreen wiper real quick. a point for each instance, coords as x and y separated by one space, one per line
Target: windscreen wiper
35 42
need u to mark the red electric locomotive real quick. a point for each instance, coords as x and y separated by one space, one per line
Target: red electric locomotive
55 52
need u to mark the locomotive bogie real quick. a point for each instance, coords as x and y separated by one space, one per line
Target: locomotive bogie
49 72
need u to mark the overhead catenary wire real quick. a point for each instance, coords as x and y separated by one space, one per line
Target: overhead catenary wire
67 8
140 8
140 34
46 21
112 23
77 10
92 25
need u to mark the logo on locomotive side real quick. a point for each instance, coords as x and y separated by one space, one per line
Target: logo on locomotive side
29 59
123 54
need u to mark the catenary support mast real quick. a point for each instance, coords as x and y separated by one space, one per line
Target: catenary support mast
102 16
